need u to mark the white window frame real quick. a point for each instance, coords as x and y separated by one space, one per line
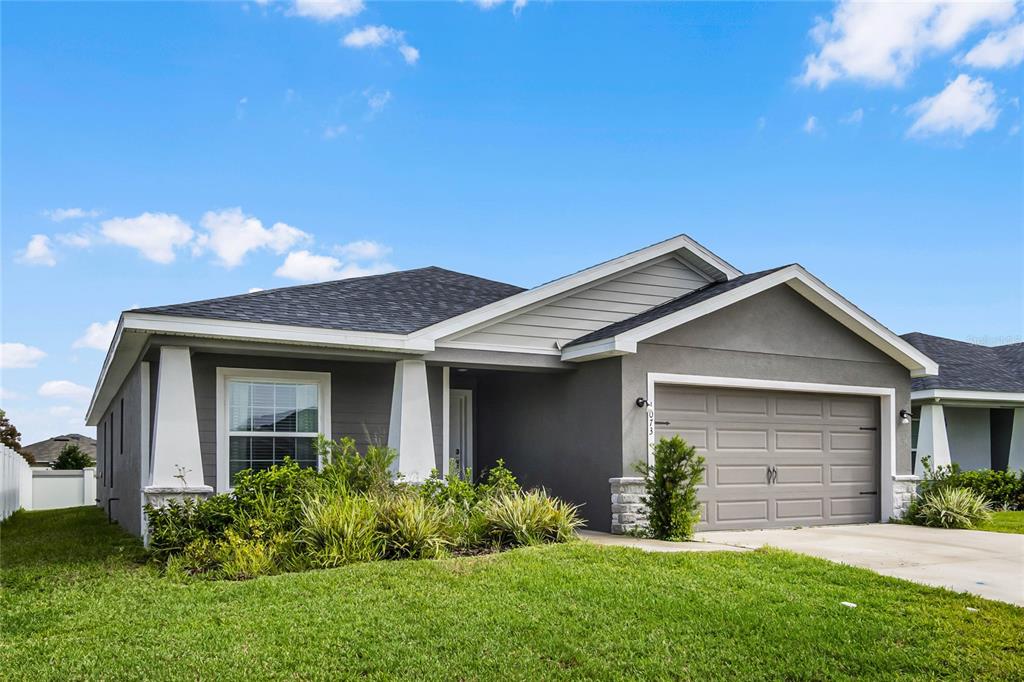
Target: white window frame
225 374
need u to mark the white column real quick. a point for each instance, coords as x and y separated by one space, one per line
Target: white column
177 461
446 410
409 432
1016 460
931 438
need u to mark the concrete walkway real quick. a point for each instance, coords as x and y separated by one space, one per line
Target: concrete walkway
647 545
987 564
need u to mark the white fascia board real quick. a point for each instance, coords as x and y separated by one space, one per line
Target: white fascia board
595 350
259 331
493 347
981 396
803 283
568 283
109 364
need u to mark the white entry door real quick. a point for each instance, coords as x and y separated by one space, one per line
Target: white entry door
460 429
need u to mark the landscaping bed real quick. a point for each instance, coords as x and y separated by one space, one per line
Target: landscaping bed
80 602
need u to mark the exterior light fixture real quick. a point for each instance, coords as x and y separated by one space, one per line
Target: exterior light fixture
904 417
642 402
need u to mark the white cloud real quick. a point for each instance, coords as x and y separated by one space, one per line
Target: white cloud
882 42
331 132
326 10
304 266
155 235
517 5
62 388
381 36
376 99
964 107
363 249
8 394
855 117
39 251
19 355
97 335
231 234
253 290
998 49
80 240
58 215
811 125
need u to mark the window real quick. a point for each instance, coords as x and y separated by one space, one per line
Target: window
915 433
268 417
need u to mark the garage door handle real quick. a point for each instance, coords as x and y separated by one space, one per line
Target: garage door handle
869 428
870 492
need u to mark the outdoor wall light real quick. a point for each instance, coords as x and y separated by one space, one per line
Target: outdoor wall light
904 417
642 402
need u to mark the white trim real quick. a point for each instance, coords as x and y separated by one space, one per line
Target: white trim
322 379
595 350
887 423
803 283
468 345
258 331
951 394
446 401
516 302
467 393
144 444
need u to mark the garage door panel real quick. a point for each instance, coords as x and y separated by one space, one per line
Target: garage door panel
737 439
824 448
800 441
755 511
806 509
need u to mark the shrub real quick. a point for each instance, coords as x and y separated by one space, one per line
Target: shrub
1005 489
455 489
335 531
498 480
242 558
671 487
72 457
529 518
948 507
412 528
347 470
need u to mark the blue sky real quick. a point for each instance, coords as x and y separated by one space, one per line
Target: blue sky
155 153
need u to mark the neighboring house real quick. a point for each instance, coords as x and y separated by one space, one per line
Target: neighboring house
791 392
45 451
972 413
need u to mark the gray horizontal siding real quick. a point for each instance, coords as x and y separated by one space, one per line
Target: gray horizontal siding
565 319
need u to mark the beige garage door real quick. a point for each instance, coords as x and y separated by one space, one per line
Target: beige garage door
777 459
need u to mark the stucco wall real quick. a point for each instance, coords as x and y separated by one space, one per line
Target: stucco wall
560 431
970 437
774 335
118 455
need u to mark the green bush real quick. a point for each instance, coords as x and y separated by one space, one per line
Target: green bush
335 531
72 457
529 518
948 507
671 489
1005 489
412 528
345 469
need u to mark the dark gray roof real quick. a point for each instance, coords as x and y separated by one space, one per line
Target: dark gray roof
395 303
968 366
46 451
685 301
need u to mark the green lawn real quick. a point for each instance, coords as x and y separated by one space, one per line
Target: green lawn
77 604
1006 522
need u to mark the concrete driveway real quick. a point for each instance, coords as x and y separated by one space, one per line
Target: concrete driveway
987 564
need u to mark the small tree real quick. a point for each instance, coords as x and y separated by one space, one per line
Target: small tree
72 457
671 486
11 437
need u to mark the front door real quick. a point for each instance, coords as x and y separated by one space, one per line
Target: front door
460 430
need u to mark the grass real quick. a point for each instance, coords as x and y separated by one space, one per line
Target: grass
78 604
1005 522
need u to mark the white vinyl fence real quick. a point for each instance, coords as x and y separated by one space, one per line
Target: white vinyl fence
25 487
15 482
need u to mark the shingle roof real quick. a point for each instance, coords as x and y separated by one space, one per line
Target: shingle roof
968 366
395 303
46 451
675 305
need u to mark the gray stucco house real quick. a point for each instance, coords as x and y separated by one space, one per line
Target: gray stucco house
972 413
799 400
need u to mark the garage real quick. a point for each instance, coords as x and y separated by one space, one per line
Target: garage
777 459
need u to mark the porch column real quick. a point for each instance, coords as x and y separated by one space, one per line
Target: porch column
1016 459
931 438
410 433
177 463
